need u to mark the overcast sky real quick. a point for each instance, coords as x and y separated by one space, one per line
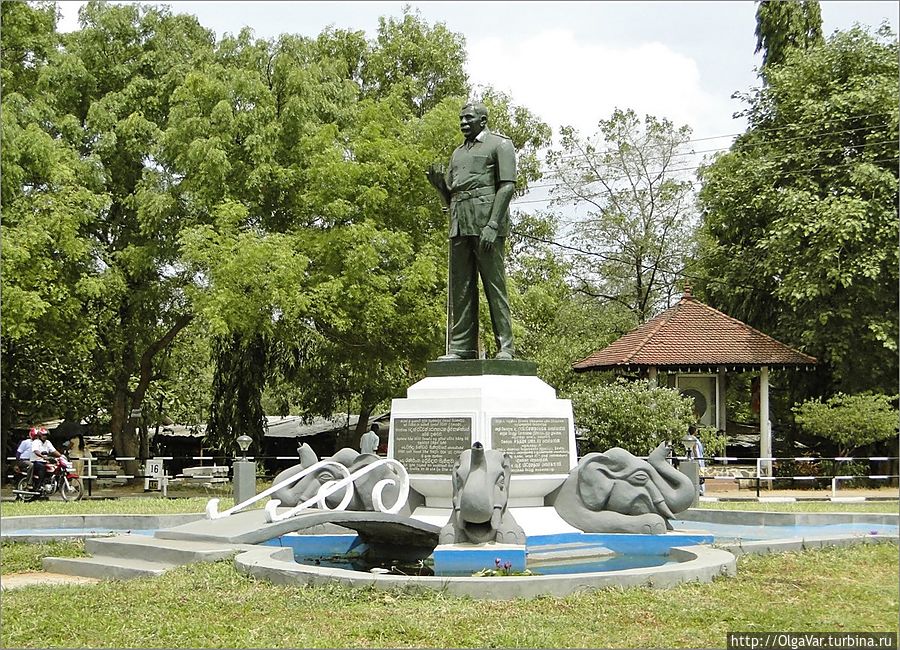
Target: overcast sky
570 62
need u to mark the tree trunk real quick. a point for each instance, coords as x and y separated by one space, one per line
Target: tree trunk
122 425
361 427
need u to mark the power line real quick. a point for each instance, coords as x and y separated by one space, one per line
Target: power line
694 153
772 130
794 172
655 172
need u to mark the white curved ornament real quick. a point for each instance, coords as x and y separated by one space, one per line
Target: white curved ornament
212 506
331 487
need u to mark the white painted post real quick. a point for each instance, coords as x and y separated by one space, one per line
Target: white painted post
721 415
765 431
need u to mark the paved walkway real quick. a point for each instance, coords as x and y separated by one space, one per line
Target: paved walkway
15 580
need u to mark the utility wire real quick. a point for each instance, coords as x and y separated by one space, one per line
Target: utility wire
794 172
687 154
678 169
770 130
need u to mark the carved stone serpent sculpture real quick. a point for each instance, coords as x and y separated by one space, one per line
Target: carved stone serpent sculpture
480 494
616 492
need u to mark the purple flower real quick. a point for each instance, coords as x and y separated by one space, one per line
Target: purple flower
873 532
497 562
507 565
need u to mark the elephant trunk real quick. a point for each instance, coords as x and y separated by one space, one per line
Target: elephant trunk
476 500
676 488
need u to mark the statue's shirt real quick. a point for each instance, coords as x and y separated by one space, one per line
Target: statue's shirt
476 171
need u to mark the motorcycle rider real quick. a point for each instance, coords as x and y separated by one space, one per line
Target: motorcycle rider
23 454
42 450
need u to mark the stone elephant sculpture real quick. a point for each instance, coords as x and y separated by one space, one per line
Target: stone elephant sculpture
480 495
308 486
616 492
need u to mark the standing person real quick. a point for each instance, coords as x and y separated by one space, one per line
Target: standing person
477 190
41 451
369 442
696 452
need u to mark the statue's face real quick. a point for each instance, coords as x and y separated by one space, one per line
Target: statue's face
471 123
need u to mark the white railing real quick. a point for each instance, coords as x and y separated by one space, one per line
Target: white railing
347 482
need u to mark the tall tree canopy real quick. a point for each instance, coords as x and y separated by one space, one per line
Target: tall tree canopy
634 218
782 25
84 260
267 194
800 216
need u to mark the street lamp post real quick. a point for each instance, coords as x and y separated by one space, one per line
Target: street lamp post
244 479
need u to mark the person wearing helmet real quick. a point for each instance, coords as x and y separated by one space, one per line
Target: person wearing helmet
41 451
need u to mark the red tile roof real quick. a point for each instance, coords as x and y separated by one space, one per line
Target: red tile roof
693 335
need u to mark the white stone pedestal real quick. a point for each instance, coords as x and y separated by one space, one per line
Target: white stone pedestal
518 414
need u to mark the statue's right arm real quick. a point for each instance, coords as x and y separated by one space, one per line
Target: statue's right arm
435 175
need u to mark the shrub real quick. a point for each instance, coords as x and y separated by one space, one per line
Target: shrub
634 415
851 421
714 441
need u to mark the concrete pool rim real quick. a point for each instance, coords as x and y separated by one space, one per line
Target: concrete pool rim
693 563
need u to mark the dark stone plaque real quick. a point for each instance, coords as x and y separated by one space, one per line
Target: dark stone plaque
537 445
430 445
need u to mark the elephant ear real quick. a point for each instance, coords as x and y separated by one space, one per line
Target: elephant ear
307 455
594 485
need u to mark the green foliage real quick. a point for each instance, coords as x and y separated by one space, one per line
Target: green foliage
631 246
800 216
634 415
713 441
553 324
849 420
785 24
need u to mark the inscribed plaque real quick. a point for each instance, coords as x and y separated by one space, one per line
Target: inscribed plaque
430 445
537 445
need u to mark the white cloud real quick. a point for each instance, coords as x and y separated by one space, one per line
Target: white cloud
571 82
68 20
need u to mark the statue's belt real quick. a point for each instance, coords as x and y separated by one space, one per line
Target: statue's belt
472 194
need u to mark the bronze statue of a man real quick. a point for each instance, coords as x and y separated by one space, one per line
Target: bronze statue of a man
477 189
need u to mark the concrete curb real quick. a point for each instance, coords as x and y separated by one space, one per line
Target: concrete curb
765 518
97 525
696 564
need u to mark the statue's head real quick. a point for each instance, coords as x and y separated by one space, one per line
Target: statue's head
472 119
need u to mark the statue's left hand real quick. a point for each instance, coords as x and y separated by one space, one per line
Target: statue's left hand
488 236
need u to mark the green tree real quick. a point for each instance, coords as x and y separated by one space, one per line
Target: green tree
634 415
800 216
850 421
554 324
630 245
84 257
785 24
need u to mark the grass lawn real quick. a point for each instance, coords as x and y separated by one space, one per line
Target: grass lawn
154 505
835 589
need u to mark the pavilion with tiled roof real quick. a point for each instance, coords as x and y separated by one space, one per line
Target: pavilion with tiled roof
697 345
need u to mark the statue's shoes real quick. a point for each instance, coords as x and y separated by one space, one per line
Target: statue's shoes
504 355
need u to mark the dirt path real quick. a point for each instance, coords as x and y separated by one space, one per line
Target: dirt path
14 580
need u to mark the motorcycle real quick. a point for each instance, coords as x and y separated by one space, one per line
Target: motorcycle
60 477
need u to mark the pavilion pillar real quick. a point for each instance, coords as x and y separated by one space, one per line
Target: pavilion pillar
722 415
765 431
651 375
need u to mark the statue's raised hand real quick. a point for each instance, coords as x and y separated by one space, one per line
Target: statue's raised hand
436 176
